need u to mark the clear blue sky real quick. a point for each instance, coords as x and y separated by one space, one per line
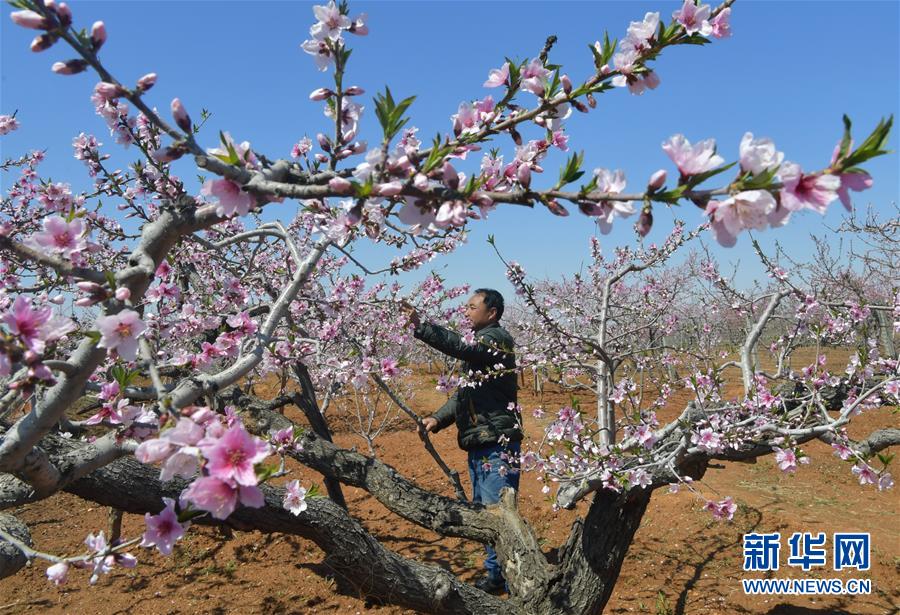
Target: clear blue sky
788 72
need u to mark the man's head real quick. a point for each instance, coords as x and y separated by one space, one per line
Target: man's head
484 307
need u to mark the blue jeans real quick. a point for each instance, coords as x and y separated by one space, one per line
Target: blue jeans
488 479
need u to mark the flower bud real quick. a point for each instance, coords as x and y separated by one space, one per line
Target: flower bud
324 142
85 302
29 19
123 294
65 15
523 174
555 208
108 90
340 185
592 102
451 178
181 115
580 106
516 137
481 199
605 69
651 80
321 158
420 181
645 222
42 42
57 299
146 82
320 94
566 83
98 35
70 67
389 189
540 121
88 287
359 147
657 180
354 90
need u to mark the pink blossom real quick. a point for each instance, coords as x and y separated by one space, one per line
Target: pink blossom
865 473
232 200
7 124
807 191
451 213
29 324
534 76
750 209
641 33
61 236
234 454
708 440
885 481
498 76
722 510
787 460
853 181
220 498
58 573
120 331
163 530
694 18
294 498
320 51
692 159
721 28
302 147
759 155
389 367
243 323
330 22
611 182
842 450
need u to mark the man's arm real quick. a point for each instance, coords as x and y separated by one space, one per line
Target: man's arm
446 414
452 344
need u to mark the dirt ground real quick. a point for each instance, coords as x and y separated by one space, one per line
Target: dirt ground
682 561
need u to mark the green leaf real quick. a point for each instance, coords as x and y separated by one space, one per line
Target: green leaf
572 170
94 336
873 145
696 180
762 180
314 491
390 113
846 140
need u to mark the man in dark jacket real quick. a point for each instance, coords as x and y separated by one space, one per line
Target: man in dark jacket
485 410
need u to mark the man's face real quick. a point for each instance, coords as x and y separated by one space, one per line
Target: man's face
478 313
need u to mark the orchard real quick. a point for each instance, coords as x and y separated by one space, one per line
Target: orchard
184 327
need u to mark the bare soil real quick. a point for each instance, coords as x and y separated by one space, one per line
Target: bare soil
682 561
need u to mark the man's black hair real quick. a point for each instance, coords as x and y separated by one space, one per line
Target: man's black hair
491 299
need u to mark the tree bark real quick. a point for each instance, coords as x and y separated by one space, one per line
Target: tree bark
11 558
591 559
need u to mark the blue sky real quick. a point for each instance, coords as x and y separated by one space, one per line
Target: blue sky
790 70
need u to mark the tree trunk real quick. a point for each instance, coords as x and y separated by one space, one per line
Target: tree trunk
307 402
11 559
591 559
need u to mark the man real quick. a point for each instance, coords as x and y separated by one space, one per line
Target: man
486 414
